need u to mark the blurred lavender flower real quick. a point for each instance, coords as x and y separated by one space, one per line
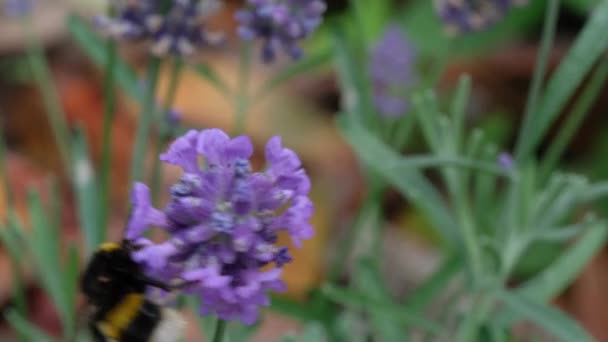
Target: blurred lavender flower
391 69
505 160
173 117
280 24
462 16
172 27
223 220
17 8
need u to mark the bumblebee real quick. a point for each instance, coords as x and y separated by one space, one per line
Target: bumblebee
115 286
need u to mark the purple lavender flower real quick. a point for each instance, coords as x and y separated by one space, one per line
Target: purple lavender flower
391 69
281 24
505 160
173 117
18 8
461 16
172 27
224 220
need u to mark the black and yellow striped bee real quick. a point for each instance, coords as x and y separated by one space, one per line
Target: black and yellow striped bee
115 286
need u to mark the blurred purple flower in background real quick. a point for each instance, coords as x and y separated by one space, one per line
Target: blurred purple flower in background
281 24
391 68
505 160
17 8
172 27
223 220
461 16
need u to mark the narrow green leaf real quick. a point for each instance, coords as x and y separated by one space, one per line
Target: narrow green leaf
356 101
350 326
561 234
428 118
554 279
424 294
27 329
411 183
360 301
94 47
71 275
371 17
590 44
293 309
368 280
85 188
313 332
551 319
581 6
575 117
209 73
459 107
44 245
430 161
11 242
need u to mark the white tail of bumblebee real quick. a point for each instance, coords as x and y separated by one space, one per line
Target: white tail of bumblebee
170 329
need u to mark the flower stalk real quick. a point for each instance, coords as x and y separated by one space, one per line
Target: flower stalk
220 329
146 115
106 154
163 126
242 94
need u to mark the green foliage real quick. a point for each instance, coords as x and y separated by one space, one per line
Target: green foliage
590 44
544 315
85 187
490 219
58 276
95 48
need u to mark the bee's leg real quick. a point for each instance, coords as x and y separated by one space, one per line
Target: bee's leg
153 282
95 333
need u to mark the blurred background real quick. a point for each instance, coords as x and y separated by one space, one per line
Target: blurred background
500 61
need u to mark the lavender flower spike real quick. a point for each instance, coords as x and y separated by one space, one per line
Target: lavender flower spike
170 27
280 24
18 8
224 220
392 73
462 16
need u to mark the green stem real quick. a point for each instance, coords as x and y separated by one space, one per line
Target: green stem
369 208
575 118
42 75
19 287
242 95
596 192
528 127
164 130
467 226
220 330
469 329
145 120
424 161
106 154
8 192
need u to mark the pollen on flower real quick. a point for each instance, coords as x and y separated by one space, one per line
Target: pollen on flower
223 219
